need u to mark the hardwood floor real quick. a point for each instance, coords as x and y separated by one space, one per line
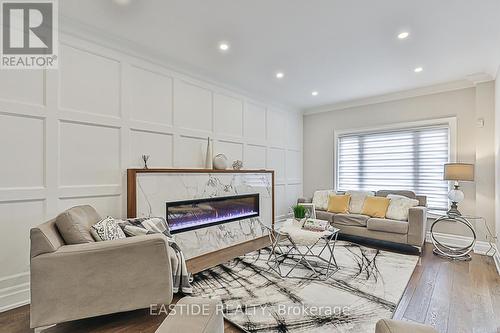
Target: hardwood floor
454 297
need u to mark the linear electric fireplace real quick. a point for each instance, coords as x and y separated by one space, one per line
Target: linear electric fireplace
201 213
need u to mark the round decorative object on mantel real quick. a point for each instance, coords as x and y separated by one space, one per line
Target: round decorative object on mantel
237 165
220 162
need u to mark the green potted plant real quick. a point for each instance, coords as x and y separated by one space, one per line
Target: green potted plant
299 212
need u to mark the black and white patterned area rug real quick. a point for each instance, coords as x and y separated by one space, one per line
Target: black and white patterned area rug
366 287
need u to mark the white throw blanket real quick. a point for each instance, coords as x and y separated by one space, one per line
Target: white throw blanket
300 236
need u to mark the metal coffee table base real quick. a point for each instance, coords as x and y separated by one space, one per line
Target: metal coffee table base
307 258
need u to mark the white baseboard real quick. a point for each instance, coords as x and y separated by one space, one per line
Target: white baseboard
481 247
14 291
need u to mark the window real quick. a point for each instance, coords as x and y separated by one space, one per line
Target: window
406 159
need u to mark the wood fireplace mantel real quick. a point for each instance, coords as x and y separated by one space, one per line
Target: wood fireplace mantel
132 175
201 262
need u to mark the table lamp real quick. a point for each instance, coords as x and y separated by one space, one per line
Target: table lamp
457 172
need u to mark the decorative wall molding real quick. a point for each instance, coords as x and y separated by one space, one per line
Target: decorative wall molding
429 90
72 27
79 128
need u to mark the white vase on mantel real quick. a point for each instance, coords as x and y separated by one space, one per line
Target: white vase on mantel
209 155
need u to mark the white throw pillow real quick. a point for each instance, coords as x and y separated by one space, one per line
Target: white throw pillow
106 229
320 199
399 207
357 200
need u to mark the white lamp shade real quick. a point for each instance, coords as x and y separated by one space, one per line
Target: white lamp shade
459 172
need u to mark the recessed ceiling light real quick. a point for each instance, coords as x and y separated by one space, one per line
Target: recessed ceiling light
280 75
223 46
314 93
418 69
403 35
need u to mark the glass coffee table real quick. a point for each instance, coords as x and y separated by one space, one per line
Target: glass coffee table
295 248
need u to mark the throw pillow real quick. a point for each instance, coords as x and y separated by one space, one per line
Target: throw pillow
74 224
339 203
375 206
320 199
106 229
399 207
357 200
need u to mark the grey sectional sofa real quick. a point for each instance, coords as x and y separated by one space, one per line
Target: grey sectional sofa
411 232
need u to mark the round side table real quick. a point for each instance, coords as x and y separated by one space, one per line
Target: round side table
453 252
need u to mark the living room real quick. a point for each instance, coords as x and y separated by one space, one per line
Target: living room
250 166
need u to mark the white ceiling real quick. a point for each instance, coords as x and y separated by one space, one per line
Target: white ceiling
344 49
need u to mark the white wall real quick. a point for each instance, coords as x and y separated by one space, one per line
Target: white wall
474 145
67 137
497 154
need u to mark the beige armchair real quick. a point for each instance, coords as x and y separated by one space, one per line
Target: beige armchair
71 282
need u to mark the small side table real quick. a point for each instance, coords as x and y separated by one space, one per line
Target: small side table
453 252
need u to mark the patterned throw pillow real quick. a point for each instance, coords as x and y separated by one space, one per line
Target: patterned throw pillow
399 207
106 229
358 200
320 199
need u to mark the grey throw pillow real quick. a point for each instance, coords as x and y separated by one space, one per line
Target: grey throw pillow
106 229
74 224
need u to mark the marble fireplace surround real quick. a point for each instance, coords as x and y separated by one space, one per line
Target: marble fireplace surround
148 190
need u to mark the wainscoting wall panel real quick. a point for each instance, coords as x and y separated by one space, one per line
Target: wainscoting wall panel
232 150
157 145
228 116
255 157
150 96
255 122
276 161
23 86
24 167
68 136
79 86
193 106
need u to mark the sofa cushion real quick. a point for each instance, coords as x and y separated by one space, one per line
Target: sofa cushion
339 203
386 225
74 224
320 198
399 207
357 200
324 215
356 220
375 206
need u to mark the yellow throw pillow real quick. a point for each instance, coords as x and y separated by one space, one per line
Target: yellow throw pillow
375 206
339 203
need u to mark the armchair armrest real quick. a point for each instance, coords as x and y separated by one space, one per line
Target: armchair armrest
91 279
417 221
